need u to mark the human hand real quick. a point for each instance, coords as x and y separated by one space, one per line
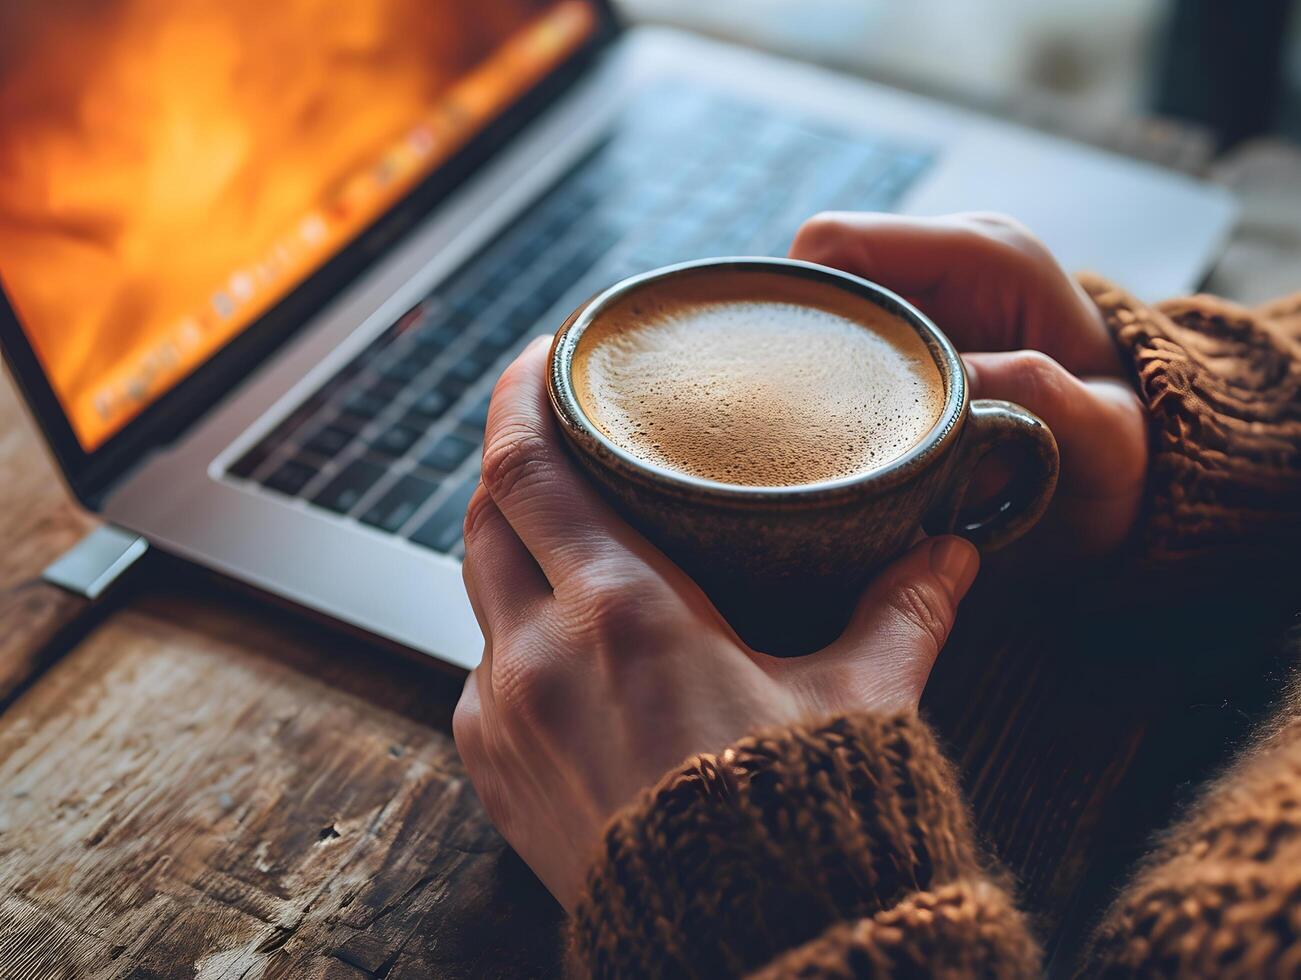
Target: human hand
605 666
1028 334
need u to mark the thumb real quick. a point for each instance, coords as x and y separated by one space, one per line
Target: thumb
903 620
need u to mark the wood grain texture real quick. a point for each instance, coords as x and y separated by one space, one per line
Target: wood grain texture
38 522
202 789
195 792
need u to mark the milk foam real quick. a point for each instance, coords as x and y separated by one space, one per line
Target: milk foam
758 391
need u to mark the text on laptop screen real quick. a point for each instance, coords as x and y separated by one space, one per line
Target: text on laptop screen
169 169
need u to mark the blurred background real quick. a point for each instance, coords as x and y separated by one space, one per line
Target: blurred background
1232 69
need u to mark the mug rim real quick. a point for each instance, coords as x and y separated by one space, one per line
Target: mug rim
569 409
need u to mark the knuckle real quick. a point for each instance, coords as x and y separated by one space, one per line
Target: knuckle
925 610
820 237
614 603
997 222
610 599
619 613
513 460
529 689
467 730
477 513
1043 379
976 243
1009 230
1007 239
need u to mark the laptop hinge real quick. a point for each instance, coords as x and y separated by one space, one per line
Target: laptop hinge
91 566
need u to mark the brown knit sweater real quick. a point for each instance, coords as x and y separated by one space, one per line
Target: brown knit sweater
843 848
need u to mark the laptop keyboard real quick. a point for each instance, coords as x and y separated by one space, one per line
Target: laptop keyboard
393 438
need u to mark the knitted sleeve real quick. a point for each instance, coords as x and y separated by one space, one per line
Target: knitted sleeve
839 848
1222 385
1221 896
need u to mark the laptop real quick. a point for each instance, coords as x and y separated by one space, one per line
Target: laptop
262 263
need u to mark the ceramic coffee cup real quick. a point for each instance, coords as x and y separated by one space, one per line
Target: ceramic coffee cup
786 565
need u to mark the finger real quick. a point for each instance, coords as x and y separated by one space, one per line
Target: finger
505 585
988 283
1099 425
914 256
557 514
900 625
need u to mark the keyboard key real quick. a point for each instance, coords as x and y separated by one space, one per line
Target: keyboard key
364 404
563 279
386 389
448 452
245 466
441 531
291 477
430 404
396 440
533 306
474 303
417 357
343 492
434 338
532 249
411 420
492 345
487 351
294 423
453 388
453 325
406 369
597 242
329 442
466 371
503 279
477 414
350 423
634 201
402 500
505 333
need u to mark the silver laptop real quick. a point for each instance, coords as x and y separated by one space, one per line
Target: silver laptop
262 266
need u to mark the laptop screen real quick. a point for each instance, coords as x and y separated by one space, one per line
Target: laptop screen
169 169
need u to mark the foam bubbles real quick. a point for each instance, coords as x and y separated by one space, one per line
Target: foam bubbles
758 392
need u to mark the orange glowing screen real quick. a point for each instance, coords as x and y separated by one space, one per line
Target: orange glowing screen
170 168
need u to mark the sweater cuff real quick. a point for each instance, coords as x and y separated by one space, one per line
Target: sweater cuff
1222 387
964 929
735 858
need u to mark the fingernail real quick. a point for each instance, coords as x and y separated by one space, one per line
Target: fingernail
955 561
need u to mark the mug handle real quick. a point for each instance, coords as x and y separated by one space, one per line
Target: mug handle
990 424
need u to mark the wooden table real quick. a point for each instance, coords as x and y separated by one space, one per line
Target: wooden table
195 785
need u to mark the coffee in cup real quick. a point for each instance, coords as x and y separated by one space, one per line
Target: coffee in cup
782 430
762 381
